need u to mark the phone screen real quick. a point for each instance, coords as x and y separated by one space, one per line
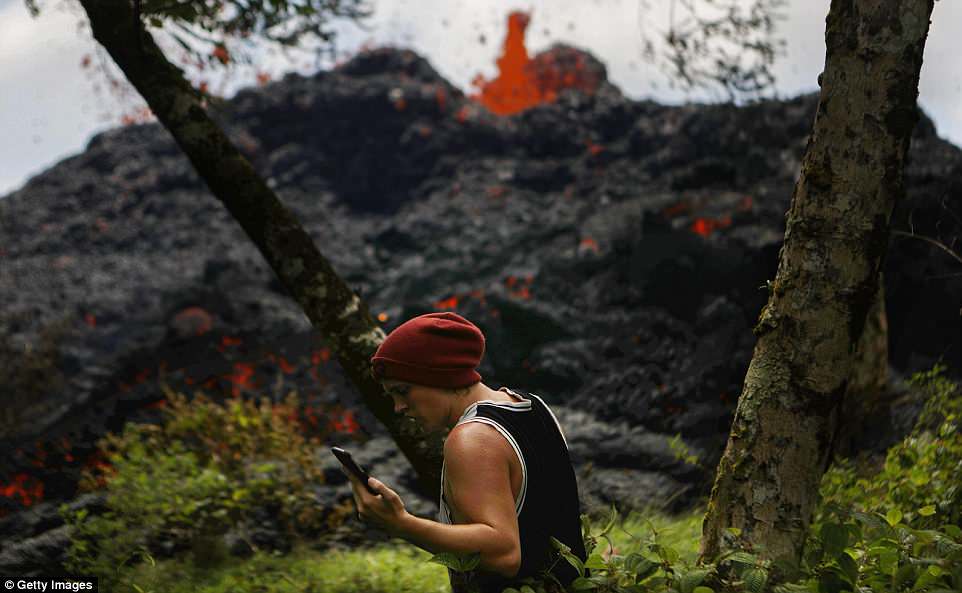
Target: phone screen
352 466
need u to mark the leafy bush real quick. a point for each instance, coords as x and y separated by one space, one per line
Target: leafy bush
896 527
186 482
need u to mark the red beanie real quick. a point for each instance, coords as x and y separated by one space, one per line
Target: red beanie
436 349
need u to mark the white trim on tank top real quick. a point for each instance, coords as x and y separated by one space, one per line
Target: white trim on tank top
469 415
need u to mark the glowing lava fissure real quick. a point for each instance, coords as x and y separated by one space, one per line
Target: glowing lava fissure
523 82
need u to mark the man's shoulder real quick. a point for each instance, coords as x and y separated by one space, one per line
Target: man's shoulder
474 438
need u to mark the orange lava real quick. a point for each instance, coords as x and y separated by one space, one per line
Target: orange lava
519 287
286 367
589 244
346 423
522 82
220 52
241 378
28 494
514 89
441 96
322 355
706 226
230 341
449 303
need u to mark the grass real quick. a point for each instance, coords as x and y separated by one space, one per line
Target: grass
398 567
390 568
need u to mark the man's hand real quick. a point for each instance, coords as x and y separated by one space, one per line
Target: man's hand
386 510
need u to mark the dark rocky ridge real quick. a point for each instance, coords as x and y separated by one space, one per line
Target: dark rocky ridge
564 232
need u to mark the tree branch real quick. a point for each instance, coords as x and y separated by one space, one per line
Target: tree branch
935 242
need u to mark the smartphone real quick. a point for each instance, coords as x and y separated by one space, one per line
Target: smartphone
359 472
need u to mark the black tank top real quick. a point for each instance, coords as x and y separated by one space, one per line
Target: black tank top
547 504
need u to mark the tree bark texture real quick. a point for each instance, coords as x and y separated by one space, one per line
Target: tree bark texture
837 228
335 310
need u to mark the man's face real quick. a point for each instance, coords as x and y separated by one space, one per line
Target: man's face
423 404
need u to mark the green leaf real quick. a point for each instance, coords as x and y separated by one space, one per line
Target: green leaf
743 558
834 539
457 562
888 561
526 589
829 581
666 553
574 561
893 517
470 562
755 579
904 575
703 589
444 559
691 579
595 561
639 566
927 510
559 545
510 590
849 568
583 584
952 530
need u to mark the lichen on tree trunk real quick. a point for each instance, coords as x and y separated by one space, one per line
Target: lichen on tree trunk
828 276
330 304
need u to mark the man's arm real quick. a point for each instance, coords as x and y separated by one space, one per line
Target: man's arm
477 469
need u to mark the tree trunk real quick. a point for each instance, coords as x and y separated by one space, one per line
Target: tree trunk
869 373
330 304
864 399
828 276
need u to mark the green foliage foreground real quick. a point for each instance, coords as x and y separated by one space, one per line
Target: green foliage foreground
892 526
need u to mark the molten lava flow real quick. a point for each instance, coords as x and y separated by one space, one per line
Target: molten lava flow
346 422
706 226
19 488
281 362
449 303
514 89
588 244
241 378
518 287
230 341
317 357
322 355
522 82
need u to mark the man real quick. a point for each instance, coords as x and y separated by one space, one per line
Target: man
507 483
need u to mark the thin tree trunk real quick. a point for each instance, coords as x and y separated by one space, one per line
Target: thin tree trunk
828 276
330 304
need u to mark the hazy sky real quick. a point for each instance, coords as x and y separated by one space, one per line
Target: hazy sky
49 107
